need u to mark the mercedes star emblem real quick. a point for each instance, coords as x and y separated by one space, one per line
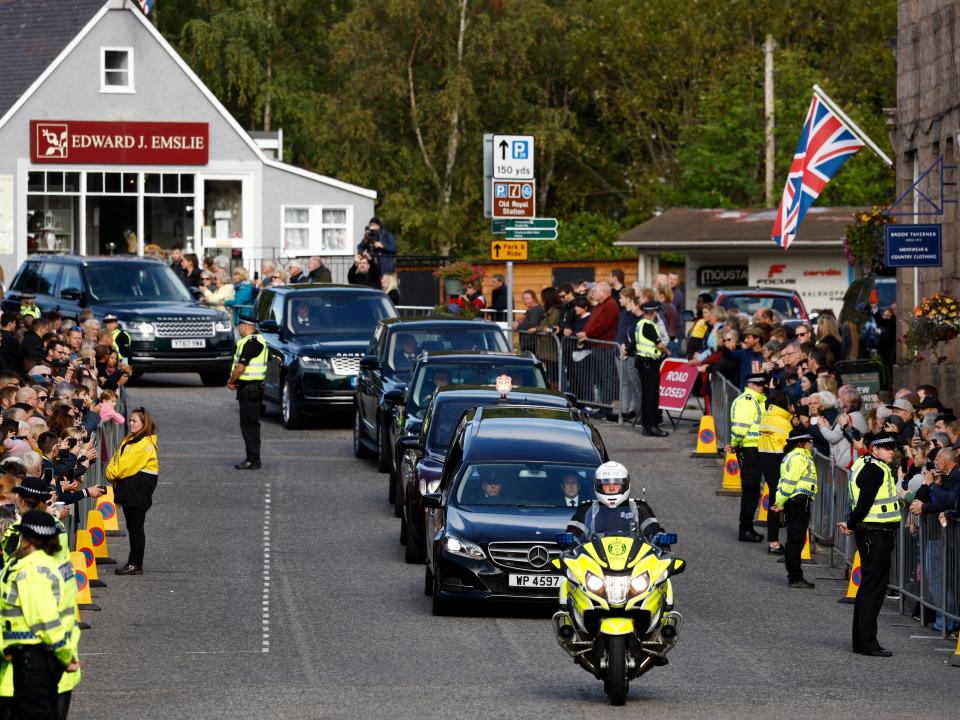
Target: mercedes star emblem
538 556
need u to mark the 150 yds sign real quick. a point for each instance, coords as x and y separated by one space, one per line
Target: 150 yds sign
119 143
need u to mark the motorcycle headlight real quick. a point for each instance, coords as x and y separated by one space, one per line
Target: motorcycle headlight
223 326
594 583
465 548
316 363
139 330
640 584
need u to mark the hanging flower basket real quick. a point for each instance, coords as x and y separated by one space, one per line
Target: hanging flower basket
863 240
462 271
935 320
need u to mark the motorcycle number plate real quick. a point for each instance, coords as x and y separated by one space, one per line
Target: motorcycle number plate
534 581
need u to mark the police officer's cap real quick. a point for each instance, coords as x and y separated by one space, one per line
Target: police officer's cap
34 488
27 296
800 435
650 306
884 440
110 317
38 524
758 379
248 320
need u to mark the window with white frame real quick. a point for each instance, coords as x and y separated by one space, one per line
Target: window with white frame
316 230
116 70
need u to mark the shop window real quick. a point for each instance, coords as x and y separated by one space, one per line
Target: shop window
116 70
53 206
223 213
314 230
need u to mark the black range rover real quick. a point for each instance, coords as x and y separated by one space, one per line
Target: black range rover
169 330
316 335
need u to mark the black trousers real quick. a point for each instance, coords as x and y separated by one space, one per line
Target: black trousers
649 371
876 551
36 674
770 467
135 519
796 515
750 477
250 395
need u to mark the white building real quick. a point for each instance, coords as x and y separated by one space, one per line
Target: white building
106 131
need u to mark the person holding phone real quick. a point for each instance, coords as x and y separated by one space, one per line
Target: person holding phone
133 470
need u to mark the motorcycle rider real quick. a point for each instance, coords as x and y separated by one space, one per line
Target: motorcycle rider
605 516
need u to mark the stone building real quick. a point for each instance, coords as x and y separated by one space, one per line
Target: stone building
926 127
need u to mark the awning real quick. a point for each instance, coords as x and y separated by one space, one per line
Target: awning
685 229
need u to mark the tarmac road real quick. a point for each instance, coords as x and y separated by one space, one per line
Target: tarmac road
283 594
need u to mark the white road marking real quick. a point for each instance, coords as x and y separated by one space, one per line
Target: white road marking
265 598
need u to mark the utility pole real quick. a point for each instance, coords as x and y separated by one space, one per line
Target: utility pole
768 47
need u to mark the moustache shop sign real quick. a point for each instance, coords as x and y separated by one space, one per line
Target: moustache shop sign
119 143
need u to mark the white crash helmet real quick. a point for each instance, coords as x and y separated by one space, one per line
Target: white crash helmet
611 473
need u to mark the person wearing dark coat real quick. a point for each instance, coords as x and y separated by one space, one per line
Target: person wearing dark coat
364 272
498 297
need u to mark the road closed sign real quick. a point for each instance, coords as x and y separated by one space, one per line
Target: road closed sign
513 199
676 382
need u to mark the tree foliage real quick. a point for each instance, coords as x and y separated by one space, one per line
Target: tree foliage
636 106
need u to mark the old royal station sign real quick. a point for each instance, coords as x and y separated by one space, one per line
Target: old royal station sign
119 143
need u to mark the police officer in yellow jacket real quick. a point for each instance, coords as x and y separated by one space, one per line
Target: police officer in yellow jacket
775 426
651 350
746 412
796 489
28 305
121 340
247 376
874 520
40 635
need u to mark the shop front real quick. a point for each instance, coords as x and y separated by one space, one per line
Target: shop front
100 157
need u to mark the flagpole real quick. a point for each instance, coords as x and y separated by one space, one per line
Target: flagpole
851 125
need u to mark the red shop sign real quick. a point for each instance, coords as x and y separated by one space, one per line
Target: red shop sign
676 382
119 143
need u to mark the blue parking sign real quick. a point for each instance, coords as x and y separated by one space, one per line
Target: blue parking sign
521 150
501 189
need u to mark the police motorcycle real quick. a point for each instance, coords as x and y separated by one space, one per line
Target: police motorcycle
616 619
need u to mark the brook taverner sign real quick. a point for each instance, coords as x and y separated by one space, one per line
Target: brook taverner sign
119 143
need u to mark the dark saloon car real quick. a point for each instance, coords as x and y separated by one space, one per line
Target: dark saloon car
452 367
424 453
388 365
492 523
169 330
316 335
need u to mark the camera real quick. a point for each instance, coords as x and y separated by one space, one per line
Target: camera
851 433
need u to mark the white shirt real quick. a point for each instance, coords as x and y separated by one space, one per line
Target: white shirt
572 502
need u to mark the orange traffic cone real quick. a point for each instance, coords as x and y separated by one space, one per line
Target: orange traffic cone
84 600
806 553
706 439
854 583
98 536
764 506
731 476
85 547
955 658
108 509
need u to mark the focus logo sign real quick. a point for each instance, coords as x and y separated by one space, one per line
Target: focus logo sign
52 140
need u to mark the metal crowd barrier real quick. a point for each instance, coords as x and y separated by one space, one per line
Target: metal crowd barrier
926 559
593 373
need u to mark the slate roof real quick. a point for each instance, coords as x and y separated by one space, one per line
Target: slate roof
32 34
700 229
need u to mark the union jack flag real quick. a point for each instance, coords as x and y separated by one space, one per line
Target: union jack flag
145 5
825 144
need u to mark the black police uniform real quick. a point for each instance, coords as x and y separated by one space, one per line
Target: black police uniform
633 517
649 371
875 541
250 397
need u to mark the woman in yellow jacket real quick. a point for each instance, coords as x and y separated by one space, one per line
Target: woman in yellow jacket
775 426
133 471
